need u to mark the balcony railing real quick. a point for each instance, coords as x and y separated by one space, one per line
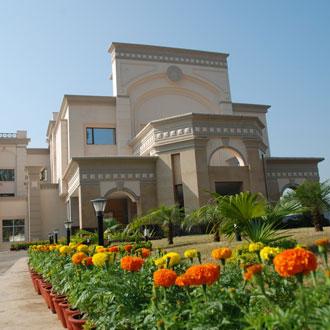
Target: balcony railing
8 135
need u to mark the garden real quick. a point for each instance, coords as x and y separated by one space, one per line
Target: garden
267 281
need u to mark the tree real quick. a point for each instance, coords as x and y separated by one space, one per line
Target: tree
315 197
164 216
208 214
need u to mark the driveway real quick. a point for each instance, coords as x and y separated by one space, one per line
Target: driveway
8 258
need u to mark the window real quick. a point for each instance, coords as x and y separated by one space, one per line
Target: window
7 195
13 230
7 174
228 188
100 135
178 195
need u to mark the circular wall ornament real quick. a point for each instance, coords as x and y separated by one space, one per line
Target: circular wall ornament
174 73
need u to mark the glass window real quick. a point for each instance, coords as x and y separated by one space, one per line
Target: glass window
7 174
100 135
13 230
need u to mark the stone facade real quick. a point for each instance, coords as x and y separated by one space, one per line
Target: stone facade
169 134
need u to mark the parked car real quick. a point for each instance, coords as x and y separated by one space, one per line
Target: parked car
301 220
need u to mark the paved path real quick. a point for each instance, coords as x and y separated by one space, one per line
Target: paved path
20 306
8 258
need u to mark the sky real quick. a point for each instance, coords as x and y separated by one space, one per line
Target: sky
279 55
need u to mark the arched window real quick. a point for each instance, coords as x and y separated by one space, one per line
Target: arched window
226 157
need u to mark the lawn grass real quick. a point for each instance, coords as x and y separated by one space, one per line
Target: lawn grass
205 244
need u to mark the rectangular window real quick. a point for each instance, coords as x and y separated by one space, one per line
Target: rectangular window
13 230
7 174
100 135
228 188
7 195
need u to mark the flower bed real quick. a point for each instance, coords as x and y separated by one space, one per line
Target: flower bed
128 287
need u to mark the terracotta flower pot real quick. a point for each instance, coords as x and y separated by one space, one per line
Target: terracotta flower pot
76 321
58 309
35 278
63 306
67 313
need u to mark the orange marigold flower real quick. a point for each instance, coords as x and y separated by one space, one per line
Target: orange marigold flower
327 273
252 270
203 274
182 280
114 248
221 253
78 257
145 253
128 247
164 277
295 261
322 242
132 264
87 261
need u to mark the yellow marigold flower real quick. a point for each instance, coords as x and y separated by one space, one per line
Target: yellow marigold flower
100 248
268 253
255 247
99 259
82 248
221 253
52 247
174 258
160 262
192 253
65 249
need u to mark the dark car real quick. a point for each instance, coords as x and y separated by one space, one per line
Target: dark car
300 220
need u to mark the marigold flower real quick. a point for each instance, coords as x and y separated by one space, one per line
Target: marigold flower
65 249
99 259
87 261
192 253
268 253
327 273
52 247
100 248
78 257
113 249
221 253
252 270
132 264
160 262
145 253
295 261
182 280
174 258
322 242
128 247
255 247
82 248
203 274
164 277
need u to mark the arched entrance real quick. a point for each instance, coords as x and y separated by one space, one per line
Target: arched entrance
120 206
288 189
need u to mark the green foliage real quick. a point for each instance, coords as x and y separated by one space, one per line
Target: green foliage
259 230
26 245
82 236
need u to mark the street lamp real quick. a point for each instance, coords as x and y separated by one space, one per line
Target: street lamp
50 237
99 207
67 225
56 236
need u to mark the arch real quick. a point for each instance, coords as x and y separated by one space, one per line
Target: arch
288 187
226 156
129 193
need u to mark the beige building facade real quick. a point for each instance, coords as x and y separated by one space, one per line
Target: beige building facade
169 134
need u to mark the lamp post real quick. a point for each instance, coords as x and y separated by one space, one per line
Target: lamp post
56 236
50 237
67 225
99 207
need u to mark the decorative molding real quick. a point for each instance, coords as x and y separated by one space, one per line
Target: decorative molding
298 173
115 175
167 55
174 73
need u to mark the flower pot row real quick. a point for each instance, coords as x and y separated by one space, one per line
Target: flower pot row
71 318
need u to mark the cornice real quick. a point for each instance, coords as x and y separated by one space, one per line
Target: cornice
38 151
167 55
293 160
249 107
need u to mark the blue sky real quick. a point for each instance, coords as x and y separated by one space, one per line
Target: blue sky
279 55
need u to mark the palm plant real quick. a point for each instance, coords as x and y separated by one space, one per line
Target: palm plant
237 210
315 197
209 215
164 216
